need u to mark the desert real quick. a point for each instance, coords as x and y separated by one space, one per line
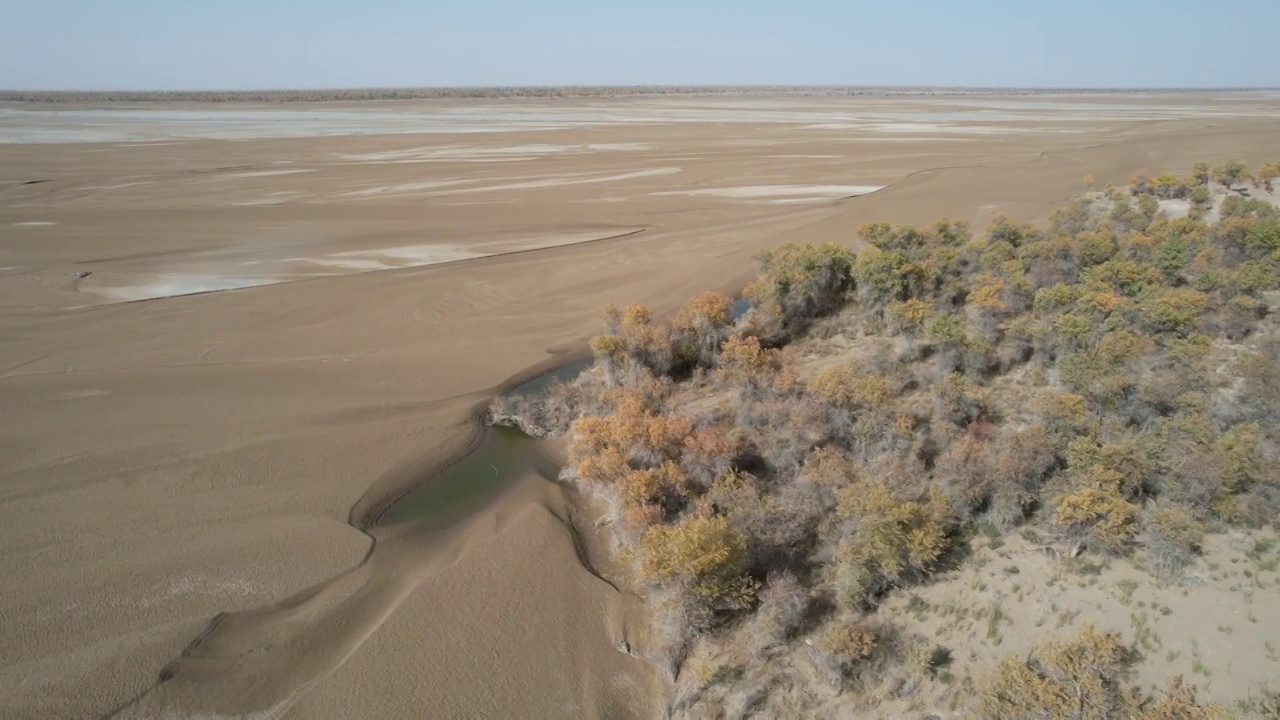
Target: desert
236 336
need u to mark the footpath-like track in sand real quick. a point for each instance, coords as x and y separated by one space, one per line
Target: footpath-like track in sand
186 481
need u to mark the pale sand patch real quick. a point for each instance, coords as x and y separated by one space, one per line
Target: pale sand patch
35 223
1175 208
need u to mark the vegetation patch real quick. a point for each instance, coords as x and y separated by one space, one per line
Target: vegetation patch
774 478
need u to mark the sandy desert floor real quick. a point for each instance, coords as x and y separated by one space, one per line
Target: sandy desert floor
230 334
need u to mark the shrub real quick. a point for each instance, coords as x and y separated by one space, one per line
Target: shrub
1172 536
783 603
802 282
700 327
880 539
1082 678
1178 702
851 390
743 360
846 646
909 316
1079 678
703 553
1063 412
881 276
1095 512
1174 310
956 401
1231 173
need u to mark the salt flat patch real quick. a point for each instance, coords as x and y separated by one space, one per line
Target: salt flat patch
35 223
796 193
800 200
620 147
117 186
175 285
562 180
400 256
269 173
935 128
274 198
406 187
480 153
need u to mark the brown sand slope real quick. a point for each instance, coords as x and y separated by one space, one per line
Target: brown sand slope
169 459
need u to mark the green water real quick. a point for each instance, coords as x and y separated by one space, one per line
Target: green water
474 481
504 454
563 374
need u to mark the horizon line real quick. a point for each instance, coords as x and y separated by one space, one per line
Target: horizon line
426 91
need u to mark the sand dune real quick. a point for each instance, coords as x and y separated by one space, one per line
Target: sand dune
168 461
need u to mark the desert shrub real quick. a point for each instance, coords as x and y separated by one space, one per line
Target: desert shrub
783 603
798 283
957 401
1258 395
678 618
851 390
1072 218
1134 457
1178 702
632 455
702 553
1094 512
879 539
909 316
815 491
1020 462
785 428
549 413
1173 310
773 538
700 327
880 276
1231 173
846 646
633 341
1169 186
708 452
1172 537
745 362
1081 678
1148 206
1064 413
1085 677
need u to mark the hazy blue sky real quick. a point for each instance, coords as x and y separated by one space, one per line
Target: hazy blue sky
202 44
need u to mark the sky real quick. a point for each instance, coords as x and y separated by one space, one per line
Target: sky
244 44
